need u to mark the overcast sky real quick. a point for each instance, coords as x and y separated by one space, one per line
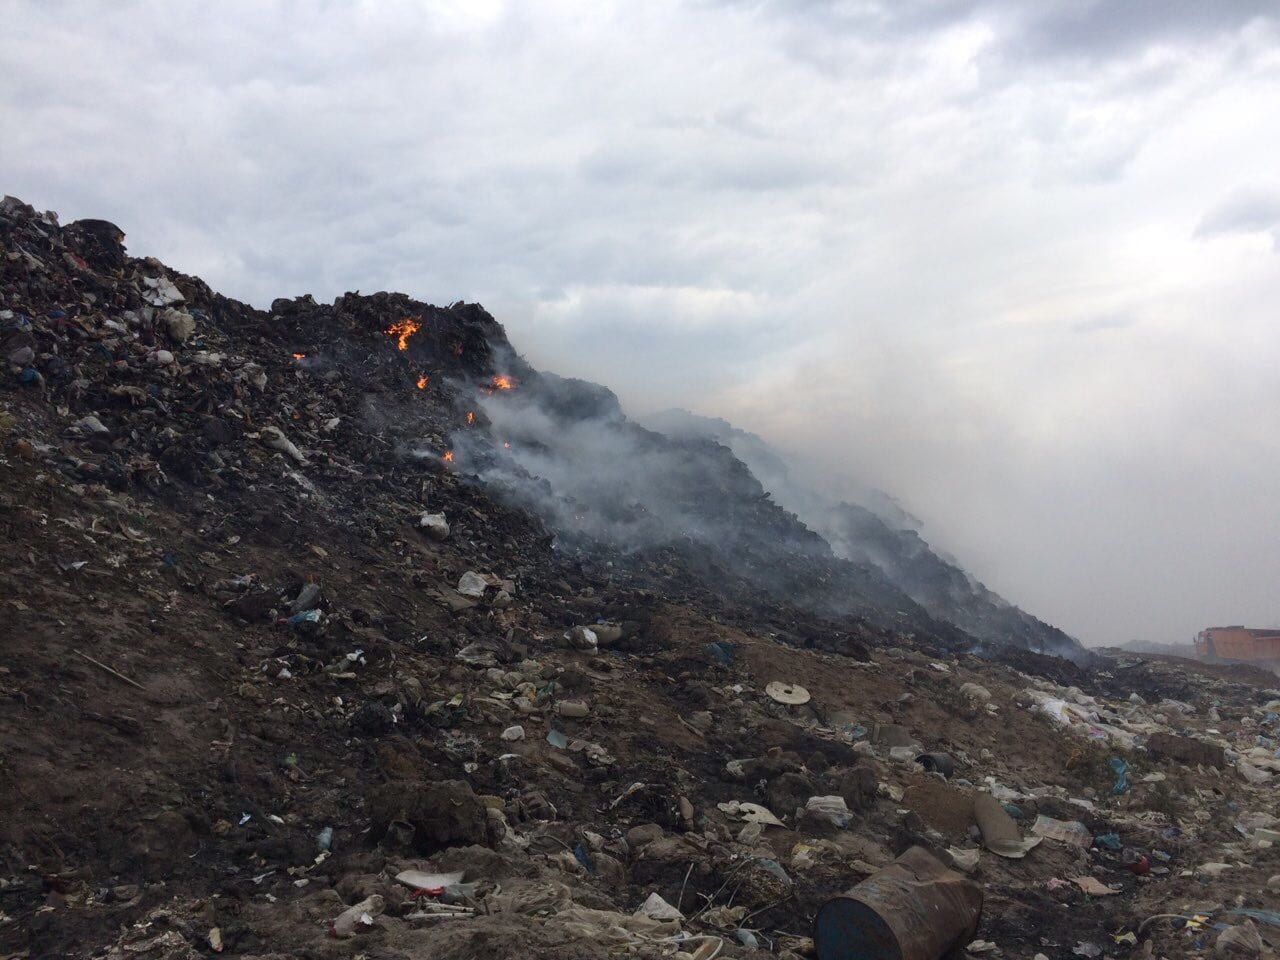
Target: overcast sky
1013 262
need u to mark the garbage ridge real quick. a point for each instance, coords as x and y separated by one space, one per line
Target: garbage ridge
301 659
878 534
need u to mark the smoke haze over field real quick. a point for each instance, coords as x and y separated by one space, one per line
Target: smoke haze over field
1014 263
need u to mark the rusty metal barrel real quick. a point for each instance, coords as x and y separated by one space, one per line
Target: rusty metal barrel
914 909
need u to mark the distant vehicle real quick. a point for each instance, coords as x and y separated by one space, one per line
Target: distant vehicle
1247 644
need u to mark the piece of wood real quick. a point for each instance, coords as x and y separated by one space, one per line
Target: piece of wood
111 670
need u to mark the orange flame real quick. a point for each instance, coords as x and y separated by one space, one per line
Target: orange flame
422 383
299 356
448 456
471 417
502 382
402 330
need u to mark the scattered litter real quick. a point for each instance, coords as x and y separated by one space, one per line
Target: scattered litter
357 918
1241 940
655 908
557 739
1064 831
1094 887
789 693
435 525
1121 771
832 809
429 882
999 831
750 812
937 763
471 584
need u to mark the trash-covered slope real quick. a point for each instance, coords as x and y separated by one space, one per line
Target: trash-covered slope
675 513
278 679
881 537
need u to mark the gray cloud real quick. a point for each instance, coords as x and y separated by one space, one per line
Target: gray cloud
1092 30
1102 324
1096 29
1244 210
945 249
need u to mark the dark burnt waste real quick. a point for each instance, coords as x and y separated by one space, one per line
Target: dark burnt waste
339 630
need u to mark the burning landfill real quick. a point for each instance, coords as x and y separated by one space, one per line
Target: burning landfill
338 630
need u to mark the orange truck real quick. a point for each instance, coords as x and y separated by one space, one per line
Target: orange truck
1247 644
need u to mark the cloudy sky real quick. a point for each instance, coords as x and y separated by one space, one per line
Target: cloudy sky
1013 262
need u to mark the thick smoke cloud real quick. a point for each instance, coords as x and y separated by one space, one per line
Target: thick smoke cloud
571 454
720 504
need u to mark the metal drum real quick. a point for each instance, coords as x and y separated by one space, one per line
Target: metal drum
913 909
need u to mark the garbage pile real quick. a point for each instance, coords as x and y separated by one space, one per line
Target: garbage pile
881 539
280 679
